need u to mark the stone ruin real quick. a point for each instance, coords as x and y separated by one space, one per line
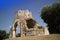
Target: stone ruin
28 25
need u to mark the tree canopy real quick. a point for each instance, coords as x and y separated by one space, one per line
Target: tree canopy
3 34
51 16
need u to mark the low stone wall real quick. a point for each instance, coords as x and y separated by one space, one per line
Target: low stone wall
39 32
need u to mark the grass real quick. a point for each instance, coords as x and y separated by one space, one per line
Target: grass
48 37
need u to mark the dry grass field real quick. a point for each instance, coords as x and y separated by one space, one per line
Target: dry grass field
48 37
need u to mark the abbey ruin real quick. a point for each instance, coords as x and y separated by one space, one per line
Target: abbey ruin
28 25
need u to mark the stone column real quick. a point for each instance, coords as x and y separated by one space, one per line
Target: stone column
46 31
13 32
21 30
35 29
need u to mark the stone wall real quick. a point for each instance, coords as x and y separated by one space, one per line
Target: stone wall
28 25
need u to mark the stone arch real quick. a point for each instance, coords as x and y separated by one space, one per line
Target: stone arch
25 21
16 25
13 28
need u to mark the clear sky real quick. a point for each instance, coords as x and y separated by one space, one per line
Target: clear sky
9 7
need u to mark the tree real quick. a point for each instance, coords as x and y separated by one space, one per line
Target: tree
51 16
7 35
3 35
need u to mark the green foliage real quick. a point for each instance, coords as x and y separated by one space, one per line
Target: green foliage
7 35
51 16
3 35
18 35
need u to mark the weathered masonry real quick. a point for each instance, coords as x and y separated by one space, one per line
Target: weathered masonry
28 25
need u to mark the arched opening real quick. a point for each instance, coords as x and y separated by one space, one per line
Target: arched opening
31 23
17 29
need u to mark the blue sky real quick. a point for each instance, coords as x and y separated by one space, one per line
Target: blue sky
9 7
